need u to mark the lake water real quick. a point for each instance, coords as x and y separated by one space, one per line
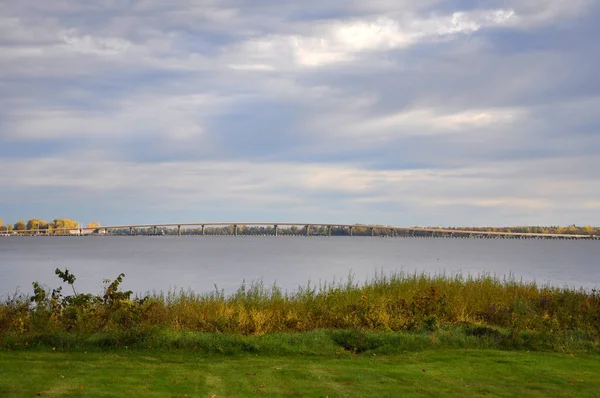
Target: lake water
166 263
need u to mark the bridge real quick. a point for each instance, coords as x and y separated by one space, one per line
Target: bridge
304 229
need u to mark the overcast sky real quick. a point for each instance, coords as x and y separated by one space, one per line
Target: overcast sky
383 111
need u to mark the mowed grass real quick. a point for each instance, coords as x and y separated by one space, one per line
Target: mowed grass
188 373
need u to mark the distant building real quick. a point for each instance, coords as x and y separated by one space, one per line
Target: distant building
91 231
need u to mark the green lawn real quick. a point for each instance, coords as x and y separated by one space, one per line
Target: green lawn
179 373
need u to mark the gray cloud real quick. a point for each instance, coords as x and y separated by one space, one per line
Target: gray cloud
428 113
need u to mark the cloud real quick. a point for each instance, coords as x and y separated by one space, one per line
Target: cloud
330 189
592 204
96 45
178 117
419 113
536 13
435 121
341 41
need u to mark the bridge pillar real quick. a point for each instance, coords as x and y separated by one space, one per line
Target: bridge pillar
179 230
154 230
372 231
275 227
235 230
307 227
350 230
329 231
203 230
130 230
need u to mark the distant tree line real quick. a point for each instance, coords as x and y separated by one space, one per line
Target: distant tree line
40 225
344 231
317 230
569 230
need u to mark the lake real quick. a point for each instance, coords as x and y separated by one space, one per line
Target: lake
167 263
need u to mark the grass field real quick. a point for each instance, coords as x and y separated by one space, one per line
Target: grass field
188 373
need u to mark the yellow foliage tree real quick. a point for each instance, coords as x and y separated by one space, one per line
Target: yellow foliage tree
37 224
588 229
94 224
63 223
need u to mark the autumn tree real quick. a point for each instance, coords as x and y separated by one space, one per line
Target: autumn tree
587 229
20 226
94 224
63 223
37 224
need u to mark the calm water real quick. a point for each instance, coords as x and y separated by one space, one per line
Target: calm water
198 263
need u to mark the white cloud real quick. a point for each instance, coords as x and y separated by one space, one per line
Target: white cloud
338 41
515 187
354 124
252 67
592 204
506 202
320 178
435 121
16 31
543 12
177 117
96 45
477 118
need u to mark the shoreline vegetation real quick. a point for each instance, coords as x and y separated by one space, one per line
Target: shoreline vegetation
399 334
388 314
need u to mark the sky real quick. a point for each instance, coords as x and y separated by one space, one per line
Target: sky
428 113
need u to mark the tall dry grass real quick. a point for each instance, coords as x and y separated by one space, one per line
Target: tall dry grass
397 302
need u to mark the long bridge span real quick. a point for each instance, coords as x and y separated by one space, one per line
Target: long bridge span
304 229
